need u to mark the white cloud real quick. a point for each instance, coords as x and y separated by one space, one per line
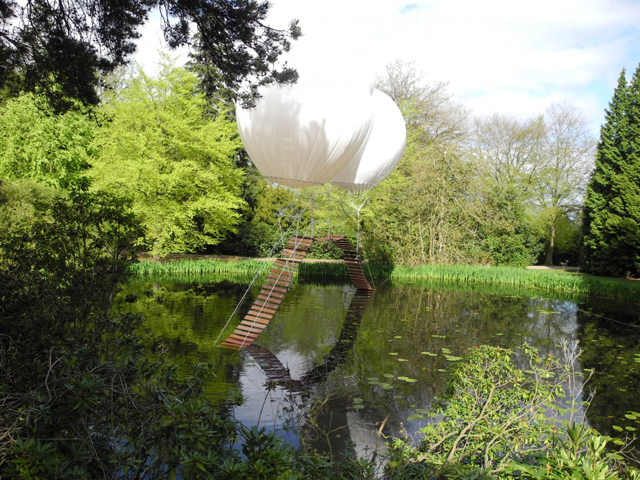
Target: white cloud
497 55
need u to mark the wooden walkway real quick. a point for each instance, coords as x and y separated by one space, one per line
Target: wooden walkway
279 280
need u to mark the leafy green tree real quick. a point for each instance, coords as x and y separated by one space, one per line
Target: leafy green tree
38 144
159 148
611 244
60 47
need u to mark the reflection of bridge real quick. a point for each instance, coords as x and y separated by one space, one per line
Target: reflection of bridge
275 371
279 280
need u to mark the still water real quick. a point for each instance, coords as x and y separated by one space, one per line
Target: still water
337 370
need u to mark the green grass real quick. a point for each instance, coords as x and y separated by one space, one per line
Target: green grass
541 280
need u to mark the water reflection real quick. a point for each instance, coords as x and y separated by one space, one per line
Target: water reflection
362 367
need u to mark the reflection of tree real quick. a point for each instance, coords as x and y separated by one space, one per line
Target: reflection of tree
611 348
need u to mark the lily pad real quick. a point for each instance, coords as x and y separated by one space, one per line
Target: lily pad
429 353
357 400
415 417
388 375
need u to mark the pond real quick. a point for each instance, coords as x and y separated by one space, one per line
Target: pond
338 369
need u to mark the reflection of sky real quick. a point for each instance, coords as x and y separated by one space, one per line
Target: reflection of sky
264 408
399 322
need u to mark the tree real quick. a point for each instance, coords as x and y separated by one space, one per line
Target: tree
611 244
159 148
62 47
38 144
560 184
510 149
435 207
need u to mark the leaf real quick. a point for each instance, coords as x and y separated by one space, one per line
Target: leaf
415 417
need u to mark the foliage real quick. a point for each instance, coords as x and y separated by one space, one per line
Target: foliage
442 204
38 144
498 419
160 149
83 393
611 243
61 47
581 454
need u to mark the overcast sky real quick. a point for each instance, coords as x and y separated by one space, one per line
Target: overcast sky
503 56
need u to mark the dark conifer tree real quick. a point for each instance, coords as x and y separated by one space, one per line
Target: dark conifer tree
611 243
60 47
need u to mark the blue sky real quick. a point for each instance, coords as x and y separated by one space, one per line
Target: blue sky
498 56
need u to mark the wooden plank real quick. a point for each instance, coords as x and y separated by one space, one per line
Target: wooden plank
264 304
233 341
271 292
273 280
263 307
259 313
246 333
253 318
244 328
289 252
256 325
281 273
271 287
306 241
248 338
287 263
267 298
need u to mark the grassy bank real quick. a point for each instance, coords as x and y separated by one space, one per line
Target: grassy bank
546 281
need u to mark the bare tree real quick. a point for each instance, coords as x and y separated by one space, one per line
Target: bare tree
428 109
510 149
568 160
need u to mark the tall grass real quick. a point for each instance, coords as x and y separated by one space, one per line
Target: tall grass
546 281
199 267
543 281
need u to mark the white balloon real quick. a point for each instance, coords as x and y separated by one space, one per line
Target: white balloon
382 150
307 133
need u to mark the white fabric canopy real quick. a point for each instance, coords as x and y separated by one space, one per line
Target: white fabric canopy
306 134
382 150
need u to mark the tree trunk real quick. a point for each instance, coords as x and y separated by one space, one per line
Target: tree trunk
549 257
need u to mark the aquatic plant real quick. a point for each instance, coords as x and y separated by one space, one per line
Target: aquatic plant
544 281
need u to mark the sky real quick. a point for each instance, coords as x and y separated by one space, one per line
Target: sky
497 56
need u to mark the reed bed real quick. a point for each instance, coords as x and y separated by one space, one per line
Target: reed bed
546 281
199 267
